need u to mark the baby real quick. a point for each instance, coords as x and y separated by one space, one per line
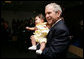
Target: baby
41 31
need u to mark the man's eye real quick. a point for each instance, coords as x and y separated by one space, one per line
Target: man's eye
49 12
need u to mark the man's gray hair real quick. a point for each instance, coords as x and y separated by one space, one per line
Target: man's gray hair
55 6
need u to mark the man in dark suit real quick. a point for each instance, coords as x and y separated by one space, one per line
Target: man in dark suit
58 36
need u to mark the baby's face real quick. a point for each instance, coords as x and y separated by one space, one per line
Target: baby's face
38 20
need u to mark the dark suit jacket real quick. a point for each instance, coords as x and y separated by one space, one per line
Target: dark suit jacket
57 41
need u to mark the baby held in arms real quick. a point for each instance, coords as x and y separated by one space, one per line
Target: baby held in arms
41 30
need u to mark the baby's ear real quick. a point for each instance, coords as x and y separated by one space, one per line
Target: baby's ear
42 20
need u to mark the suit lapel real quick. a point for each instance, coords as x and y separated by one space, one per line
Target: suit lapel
49 36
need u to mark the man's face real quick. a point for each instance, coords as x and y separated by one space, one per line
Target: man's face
51 15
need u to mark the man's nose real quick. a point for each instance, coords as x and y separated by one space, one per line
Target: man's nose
47 16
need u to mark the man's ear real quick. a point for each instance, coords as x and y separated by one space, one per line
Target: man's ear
59 13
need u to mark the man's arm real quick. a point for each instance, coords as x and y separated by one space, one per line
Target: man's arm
58 43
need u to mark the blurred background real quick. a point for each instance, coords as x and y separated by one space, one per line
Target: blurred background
16 15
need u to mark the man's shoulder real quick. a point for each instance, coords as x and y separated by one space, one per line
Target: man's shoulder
60 26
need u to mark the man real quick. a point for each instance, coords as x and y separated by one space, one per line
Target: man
58 36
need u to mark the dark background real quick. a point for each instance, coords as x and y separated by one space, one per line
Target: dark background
19 14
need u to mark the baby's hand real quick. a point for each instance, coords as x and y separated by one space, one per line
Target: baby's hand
27 27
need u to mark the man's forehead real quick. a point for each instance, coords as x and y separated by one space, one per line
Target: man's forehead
49 9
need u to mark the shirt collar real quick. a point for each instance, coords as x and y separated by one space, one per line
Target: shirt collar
56 22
